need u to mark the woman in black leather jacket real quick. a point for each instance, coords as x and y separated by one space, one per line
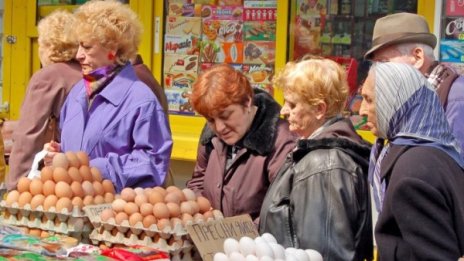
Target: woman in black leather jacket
320 198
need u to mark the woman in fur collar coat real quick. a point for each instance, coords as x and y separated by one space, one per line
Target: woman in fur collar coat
320 198
243 144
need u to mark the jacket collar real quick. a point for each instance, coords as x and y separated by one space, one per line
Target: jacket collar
390 159
263 131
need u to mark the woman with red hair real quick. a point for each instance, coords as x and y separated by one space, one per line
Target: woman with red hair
243 144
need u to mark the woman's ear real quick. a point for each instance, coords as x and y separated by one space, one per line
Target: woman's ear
320 110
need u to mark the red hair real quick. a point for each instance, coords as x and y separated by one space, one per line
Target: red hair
218 87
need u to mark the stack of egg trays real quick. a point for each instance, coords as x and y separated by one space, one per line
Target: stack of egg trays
74 223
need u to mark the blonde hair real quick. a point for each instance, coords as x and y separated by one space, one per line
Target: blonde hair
316 80
55 35
112 24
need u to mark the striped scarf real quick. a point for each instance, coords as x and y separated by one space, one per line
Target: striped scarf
408 113
97 79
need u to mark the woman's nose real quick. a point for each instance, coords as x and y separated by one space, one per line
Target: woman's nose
80 54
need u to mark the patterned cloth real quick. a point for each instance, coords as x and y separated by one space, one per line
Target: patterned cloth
97 79
408 113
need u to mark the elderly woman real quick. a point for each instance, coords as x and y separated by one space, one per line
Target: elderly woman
45 93
110 114
320 198
417 175
243 144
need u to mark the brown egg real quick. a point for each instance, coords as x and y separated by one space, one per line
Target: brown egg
174 209
98 199
186 208
98 188
48 188
83 158
72 159
203 204
175 221
49 202
118 205
77 190
23 184
75 174
155 197
128 194
36 187
61 174
174 189
140 199
163 223
109 197
146 209
135 218
160 190
139 191
77 202
85 173
208 215
195 207
160 210
106 214
130 208
12 197
148 221
37 200
189 194
35 232
108 186
44 234
172 197
87 186
96 174
64 203
46 173
63 190
60 160
120 217
186 218
88 200
24 198
147 192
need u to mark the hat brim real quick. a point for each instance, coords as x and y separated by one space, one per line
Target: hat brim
425 38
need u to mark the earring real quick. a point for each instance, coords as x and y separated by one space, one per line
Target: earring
110 56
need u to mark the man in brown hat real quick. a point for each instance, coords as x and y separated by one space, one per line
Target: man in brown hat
405 38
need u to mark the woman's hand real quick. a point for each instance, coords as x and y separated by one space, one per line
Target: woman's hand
53 148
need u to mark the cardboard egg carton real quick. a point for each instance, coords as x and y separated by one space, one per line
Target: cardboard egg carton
93 212
26 209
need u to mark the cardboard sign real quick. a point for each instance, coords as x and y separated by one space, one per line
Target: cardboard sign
209 237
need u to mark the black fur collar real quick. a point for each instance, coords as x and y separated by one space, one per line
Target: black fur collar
262 134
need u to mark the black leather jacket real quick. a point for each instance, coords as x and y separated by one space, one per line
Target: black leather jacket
320 198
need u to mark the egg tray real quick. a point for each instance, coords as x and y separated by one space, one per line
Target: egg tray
94 211
51 212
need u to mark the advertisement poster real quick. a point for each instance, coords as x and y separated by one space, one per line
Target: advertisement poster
452 33
455 7
452 51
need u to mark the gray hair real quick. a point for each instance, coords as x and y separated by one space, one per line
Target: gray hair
407 48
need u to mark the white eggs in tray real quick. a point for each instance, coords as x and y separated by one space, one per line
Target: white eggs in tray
263 248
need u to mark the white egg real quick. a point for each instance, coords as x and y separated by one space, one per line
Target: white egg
266 258
279 259
278 250
301 255
251 258
247 246
313 255
236 256
290 258
263 249
220 257
231 245
259 240
269 238
290 251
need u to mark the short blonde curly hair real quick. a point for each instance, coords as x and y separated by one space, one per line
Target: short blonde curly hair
314 80
112 24
56 36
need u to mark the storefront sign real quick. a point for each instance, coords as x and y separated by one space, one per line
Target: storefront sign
209 237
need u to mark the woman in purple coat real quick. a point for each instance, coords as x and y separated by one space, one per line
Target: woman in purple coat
110 114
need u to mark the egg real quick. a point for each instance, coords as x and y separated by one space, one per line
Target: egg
36 187
48 188
148 221
198 218
146 209
135 218
35 232
121 217
108 186
74 174
189 194
139 191
87 186
160 211
44 234
88 200
106 214
61 174
269 238
85 173
60 160
63 190
247 246
176 190
231 245
220 257
23 184
131 208
203 204
278 250
24 198
78 202
118 205
37 200
155 197
77 190
140 199
195 206
314 255
174 209
109 197
186 207
186 218
46 173
252 258
49 202
208 215
72 159
163 223
236 256
172 197
128 194
160 190
263 249
64 204
147 191
83 158
98 199
176 222
96 174
12 197
98 188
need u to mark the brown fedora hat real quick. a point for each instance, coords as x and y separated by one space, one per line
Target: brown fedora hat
400 28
